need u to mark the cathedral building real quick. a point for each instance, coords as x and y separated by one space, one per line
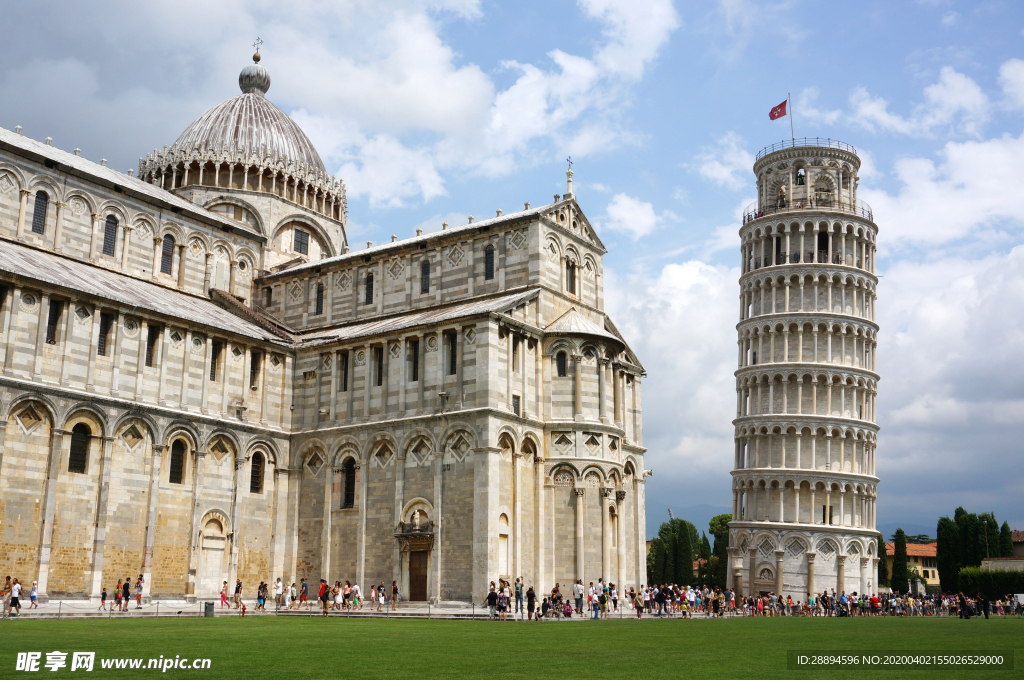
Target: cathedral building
200 381
804 484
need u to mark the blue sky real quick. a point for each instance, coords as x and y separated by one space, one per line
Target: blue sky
432 111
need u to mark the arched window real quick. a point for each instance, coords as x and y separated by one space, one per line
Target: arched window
256 473
348 472
570 276
39 212
801 177
167 254
79 456
425 277
368 290
489 263
560 363
503 561
177 462
319 298
110 235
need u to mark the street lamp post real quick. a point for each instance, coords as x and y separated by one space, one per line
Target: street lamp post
985 524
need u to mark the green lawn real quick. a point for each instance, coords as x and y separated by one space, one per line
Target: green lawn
271 647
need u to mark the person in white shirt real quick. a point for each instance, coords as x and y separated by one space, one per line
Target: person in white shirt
16 598
577 594
356 597
279 593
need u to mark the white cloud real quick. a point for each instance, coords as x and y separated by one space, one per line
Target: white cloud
681 323
1011 79
808 112
727 164
389 102
973 191
955 102
635 217
950 19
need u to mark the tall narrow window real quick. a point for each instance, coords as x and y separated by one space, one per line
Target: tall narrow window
319 299
570 276
378 357
560 364
453 352
79 455
301 242
368 290
52 321
39 212
177 462
110 236
348 472
167 254
256 473
414 360
489 263
268 296
255 364
106 321
215 352
343 384
515 354
515 404
425 277
153 334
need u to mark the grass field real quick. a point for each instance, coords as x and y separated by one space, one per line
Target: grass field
411 649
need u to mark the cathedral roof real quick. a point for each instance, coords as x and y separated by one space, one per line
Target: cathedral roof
31 264
250 122
574 323
431 315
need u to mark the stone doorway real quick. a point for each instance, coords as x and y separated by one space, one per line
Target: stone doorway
418 576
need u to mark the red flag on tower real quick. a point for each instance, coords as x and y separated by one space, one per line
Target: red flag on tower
777 112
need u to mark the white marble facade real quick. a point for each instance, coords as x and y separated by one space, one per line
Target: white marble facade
200 381
804 484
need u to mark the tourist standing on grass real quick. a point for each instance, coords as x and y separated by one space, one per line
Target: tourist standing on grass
531 603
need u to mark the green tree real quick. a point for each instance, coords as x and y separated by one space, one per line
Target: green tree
705 556
1005 541
947 554
684 543
656 561
883 565
900 578
719 526
967 523
988 536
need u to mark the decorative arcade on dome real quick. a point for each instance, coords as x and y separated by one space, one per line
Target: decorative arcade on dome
804 484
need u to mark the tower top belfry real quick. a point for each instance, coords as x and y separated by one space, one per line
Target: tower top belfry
804 484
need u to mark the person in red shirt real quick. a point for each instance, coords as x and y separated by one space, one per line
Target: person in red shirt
874 605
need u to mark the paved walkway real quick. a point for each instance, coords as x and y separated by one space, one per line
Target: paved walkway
81 609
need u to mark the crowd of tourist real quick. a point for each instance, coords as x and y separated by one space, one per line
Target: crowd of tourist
598 600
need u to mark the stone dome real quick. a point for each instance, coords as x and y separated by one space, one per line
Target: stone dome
250 122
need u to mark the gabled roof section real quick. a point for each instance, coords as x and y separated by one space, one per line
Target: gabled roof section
574 323
582 230
424 317
30 264
102 174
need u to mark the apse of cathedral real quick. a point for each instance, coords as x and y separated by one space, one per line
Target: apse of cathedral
200 381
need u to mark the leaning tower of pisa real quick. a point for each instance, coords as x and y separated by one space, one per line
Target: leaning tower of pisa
804 484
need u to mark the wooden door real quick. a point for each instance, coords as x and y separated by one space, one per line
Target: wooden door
418 576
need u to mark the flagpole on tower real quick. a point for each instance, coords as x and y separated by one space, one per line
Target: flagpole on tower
792 135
